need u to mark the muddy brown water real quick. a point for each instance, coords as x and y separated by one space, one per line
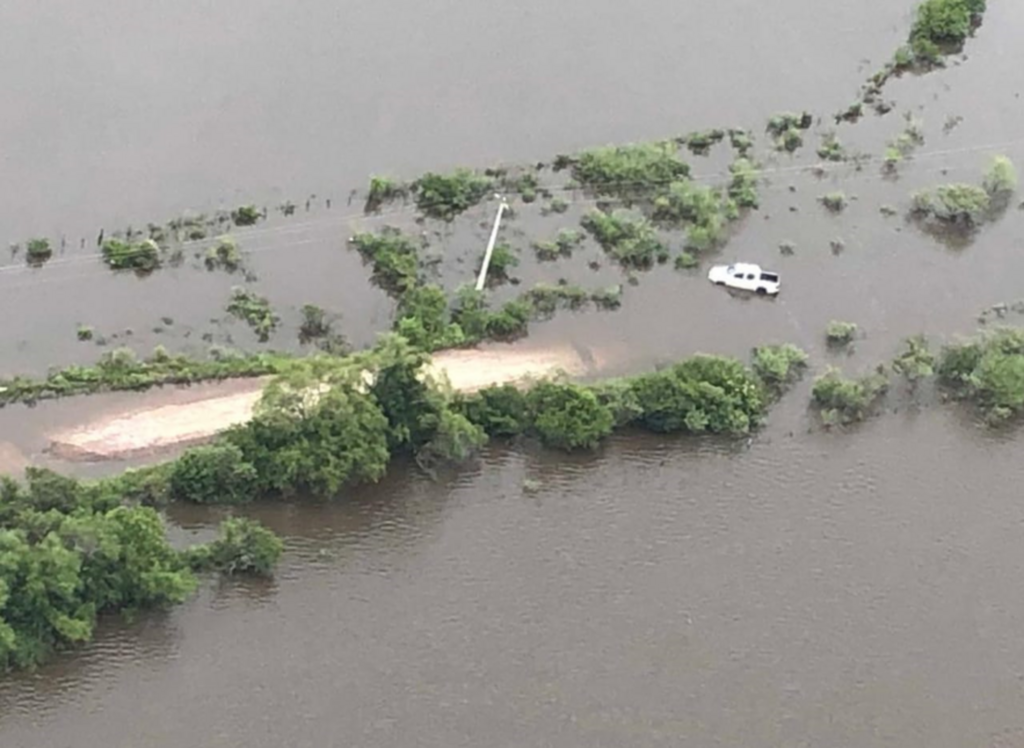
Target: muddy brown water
857 588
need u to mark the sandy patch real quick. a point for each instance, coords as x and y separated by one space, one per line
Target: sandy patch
152 430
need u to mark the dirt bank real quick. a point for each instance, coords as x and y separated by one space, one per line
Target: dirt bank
160 425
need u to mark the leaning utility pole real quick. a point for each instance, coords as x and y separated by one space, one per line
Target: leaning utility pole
482 278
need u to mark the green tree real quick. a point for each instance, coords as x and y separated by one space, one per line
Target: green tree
215 474
568 416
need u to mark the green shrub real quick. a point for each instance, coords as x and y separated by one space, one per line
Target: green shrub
686 261
244 546
383 190
255 311
627 237
699 143
1000 179
444 196
224 255
85 332
499 411
393 256
423 319
831 149
786 128
740 140
702 394
945 22
834 201
840 334
629 169
546 298
607 298
142 257
558 205
686 202
563 245
38 252
916 361
962 205
779 366
568 416
844 401
743 183
246 215
987 370
503 259
215 474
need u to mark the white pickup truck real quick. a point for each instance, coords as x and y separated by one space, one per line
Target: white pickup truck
745 277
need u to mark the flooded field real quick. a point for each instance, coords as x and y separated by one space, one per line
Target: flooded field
804 588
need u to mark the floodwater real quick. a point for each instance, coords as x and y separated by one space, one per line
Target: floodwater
855 588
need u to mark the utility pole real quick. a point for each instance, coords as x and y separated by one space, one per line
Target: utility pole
482 278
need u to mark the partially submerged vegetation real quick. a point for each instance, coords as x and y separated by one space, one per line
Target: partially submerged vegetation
787 129
121 369
840 334
561 247
224 255
142 256
779 366
627 170
965 206
987 370
255 311
445 196
38 252
71 551
627 237
841 401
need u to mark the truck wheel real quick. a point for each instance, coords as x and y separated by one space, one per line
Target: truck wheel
762 291
719 283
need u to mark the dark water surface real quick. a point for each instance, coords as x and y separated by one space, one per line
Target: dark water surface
858 588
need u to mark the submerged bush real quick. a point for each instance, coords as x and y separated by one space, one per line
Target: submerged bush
964 205
244 546
255 311
843 401
627 237
779 366
143 257
786 129
840 334
563 245
987 370
383 190
246 215
568 416
503 259
224 255
38 252
629 169
423 319
699 143
215 474
444 196
394 257
834 201
702 394
499 410
831 149
743 183
916 361
1001 178
944 23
